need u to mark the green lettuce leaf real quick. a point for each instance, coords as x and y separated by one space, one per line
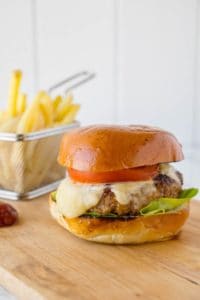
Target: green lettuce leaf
163 205
98 215
53 196
189 193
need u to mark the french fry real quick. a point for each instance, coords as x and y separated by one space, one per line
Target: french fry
31 120
42 113
24 123
38 121
71 114
13 93
63 108
21 103
46 107
56 103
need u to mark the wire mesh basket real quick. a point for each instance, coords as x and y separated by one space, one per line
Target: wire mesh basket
28 162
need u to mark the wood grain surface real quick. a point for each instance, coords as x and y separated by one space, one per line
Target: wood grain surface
40 260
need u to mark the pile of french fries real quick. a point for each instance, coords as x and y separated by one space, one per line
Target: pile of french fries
43 112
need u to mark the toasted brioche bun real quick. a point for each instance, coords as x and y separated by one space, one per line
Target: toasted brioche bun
102 148
118 231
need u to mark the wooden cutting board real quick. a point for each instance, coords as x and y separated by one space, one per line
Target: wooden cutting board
40 260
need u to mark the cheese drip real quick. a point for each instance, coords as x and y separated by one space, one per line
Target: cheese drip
74 199
124 190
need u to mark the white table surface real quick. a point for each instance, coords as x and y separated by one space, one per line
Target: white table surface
190 168
5 295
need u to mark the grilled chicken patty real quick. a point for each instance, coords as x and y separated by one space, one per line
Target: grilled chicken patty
163 186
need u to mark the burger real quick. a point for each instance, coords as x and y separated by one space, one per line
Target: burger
120 186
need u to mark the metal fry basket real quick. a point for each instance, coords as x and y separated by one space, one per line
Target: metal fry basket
28 162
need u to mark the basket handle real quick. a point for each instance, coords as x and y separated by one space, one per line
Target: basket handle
74 80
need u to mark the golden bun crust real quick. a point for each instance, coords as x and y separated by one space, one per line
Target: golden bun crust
102 148
117 231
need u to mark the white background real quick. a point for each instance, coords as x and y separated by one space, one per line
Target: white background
146 54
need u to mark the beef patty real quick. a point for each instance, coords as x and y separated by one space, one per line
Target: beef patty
164 186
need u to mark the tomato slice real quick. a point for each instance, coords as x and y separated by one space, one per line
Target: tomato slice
134 174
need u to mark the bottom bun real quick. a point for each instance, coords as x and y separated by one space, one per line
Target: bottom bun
139 230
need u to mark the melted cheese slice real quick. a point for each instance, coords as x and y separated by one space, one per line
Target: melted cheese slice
74 199
170 171
124 190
